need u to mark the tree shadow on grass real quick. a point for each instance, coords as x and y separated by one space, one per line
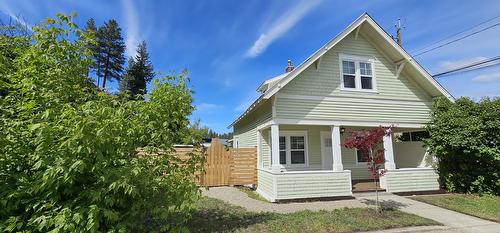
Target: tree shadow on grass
385 204
225 218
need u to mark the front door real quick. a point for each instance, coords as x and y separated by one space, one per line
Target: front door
326 150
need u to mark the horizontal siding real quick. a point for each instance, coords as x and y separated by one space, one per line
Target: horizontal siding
331 109
408 180
313 141
311 185
265 183
325 81
245 131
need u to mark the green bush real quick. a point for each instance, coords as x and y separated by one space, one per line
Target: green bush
68 152
465 137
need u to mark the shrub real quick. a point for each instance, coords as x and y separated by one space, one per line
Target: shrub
68 153
465 137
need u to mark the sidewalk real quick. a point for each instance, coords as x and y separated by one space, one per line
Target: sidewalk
234 196
457 221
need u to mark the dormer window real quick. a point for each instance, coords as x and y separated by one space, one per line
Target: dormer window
357 73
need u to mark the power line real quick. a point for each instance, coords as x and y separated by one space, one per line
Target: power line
458 33
494 61
460 38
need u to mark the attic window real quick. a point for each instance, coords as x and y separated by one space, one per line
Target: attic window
357 73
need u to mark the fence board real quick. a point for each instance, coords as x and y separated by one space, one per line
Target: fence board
226 166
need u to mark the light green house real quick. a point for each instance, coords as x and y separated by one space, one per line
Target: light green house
359 79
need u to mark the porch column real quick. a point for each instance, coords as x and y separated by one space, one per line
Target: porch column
389 152
336 149
275 148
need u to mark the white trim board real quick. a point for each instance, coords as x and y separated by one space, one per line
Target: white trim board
347 123
359 99
365 17
353 26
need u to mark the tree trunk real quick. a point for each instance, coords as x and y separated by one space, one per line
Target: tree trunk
105 74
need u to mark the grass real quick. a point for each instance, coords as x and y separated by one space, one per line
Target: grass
487 207
251 193
212 215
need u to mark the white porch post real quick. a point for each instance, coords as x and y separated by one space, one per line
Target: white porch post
275 148
336 149
389 152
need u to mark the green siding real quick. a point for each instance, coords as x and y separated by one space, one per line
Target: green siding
408 180
265 183
313 140
398 99
245 131
321 184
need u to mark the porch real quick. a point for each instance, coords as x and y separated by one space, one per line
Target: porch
311 163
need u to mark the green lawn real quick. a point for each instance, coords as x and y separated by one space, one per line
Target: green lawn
487 207
212 215
251 194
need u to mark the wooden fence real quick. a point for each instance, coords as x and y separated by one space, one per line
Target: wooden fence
227 166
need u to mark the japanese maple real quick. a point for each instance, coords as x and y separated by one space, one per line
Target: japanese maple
369 144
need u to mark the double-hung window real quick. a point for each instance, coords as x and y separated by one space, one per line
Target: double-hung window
357 73
362 156
293 148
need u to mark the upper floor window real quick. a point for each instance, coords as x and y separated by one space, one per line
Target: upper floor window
357 73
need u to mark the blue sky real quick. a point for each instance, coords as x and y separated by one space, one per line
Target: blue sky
230 47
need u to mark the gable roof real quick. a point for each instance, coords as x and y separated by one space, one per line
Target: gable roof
377 33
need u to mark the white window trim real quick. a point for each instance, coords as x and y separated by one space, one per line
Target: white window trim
357 77
357 161
288 148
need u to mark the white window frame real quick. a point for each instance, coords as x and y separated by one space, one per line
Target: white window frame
289 134
357 77
357 161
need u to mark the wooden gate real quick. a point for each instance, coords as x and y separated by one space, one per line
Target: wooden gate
233 166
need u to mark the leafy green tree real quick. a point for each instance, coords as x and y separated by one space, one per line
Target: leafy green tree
14 38
138 73
69 158
109 52
465 138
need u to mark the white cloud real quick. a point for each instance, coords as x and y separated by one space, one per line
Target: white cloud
449 65
132 26
487 77
286 21
17 18
207 106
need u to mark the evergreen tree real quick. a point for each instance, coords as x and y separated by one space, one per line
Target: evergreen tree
110 50
138 73
92 29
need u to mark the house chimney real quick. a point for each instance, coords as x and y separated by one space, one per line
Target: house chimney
289 66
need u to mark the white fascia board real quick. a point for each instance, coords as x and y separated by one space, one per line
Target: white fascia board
353 26
407 56
320 52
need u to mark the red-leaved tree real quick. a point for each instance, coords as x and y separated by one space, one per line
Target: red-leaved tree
370 144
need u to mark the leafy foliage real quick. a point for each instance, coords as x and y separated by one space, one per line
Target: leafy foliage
68 153
368 142
465 137
138 73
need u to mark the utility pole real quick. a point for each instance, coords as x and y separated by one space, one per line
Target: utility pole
398 32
